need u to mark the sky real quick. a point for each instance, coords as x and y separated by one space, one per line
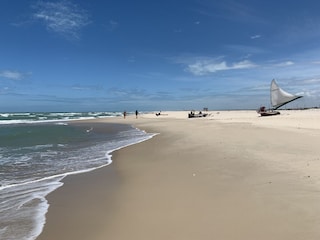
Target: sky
116 55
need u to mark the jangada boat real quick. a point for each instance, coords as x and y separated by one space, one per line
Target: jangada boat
278 98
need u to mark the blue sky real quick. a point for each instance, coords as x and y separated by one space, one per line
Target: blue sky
115 55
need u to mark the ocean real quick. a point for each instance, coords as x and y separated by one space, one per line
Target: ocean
37 150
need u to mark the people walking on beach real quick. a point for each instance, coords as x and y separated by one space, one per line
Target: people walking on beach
124 114
136 113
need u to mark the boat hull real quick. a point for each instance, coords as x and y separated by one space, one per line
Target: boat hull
270 113
192 115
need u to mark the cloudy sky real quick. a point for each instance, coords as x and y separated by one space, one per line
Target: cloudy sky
115 55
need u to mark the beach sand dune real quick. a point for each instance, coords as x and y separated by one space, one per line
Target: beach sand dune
232 175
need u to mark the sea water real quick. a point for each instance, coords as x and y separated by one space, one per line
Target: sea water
37 150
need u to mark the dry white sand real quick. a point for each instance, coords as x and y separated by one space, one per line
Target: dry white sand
231 175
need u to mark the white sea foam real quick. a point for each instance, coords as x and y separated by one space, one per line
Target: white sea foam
26 118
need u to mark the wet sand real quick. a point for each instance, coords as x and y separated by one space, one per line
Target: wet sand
231 175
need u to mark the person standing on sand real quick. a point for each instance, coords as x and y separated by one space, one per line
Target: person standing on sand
124 114
136 113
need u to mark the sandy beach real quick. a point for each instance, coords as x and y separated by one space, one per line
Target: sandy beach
230 176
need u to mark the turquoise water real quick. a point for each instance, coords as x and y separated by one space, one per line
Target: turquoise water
37 153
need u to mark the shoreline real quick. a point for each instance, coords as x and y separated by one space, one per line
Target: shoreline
201 178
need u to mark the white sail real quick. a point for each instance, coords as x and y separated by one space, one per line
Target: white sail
280 97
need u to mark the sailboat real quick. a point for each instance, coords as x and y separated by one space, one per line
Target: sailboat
278 98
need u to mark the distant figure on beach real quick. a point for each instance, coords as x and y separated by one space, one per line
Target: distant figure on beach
136 113
124 114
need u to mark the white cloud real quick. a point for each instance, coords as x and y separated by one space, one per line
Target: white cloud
255 36
203 67
285 64
62 17
79 87
312 81
12 75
